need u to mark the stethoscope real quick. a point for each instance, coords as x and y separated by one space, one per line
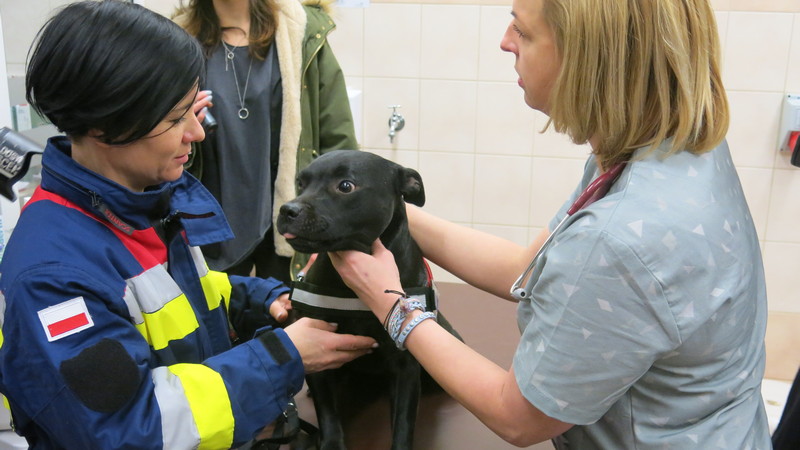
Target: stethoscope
596 190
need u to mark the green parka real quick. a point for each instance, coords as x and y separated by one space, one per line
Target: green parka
316 115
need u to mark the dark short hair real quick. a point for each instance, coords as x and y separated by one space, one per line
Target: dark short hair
110 66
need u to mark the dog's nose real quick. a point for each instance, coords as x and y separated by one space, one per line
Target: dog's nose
291 210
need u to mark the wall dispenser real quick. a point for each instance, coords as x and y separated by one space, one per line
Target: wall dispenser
790 123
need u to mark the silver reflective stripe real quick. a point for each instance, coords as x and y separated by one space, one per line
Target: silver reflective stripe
338 303
177 422
199 261
2 308
149 291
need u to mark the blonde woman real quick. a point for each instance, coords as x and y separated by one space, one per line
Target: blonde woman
642 322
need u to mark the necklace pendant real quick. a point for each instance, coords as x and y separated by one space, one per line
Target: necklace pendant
244 113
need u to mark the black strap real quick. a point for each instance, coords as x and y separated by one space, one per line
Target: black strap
287 428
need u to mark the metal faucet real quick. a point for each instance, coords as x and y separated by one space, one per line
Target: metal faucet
396 122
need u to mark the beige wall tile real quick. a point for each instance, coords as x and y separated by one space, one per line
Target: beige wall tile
347 40
555 144
392 40
756 50
502 190
782 266
765 5
783 353
784 207
406 158
753 133
793 71
495 64
722 31
379 94
449 184
448 115
506 125
450 51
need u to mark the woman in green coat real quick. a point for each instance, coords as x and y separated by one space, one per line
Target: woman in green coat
276 89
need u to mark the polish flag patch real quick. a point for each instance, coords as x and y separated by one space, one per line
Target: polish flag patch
65 319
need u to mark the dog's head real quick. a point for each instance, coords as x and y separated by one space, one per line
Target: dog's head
345 200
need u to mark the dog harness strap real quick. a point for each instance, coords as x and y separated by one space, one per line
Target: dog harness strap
321 298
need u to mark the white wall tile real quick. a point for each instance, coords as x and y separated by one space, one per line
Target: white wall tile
379 95
347 40
502 190
406 158
495 64
781 266
449 184
447 115
722 30
392 40
757 184
753 133
793 72
552 182
450 36
756 51
506 125
783 223
558 145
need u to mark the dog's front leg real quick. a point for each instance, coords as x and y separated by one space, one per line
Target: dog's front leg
404 395
323 392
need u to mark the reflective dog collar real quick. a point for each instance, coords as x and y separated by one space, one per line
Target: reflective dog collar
319 297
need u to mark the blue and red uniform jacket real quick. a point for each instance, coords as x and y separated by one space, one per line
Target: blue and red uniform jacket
115 334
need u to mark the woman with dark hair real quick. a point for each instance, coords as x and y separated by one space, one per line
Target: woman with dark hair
115 334
280 99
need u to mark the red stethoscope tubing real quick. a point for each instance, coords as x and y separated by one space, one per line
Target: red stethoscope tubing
596 190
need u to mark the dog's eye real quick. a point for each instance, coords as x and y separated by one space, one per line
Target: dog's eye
346 186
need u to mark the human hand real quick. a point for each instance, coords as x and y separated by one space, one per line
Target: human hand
369 276
279 309
201 102
321 348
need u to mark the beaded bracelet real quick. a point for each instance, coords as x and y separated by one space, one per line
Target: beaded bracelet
399 316
401 340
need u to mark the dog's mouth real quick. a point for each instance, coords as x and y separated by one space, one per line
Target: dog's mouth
305 245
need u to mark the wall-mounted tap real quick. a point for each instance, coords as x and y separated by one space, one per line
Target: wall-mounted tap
396 122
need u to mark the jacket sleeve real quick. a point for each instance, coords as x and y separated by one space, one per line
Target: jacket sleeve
249 303
103 386
336 127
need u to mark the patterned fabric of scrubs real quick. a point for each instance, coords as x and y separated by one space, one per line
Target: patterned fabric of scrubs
646 325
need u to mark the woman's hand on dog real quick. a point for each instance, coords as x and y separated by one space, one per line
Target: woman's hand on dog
321 348
369 276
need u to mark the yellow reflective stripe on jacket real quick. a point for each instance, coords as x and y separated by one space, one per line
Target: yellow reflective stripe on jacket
209 403
160 310
216 285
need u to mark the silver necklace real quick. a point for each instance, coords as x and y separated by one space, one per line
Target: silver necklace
244 113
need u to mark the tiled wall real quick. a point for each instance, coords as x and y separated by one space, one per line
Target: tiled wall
477 144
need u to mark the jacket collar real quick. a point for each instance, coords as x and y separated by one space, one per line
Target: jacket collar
186 199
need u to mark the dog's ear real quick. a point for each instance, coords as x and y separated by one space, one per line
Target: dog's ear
411 187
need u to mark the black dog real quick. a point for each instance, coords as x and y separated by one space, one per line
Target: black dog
347 199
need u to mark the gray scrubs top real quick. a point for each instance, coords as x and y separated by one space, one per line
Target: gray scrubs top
646 325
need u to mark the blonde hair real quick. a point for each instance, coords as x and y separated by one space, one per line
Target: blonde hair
637 72
199 19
